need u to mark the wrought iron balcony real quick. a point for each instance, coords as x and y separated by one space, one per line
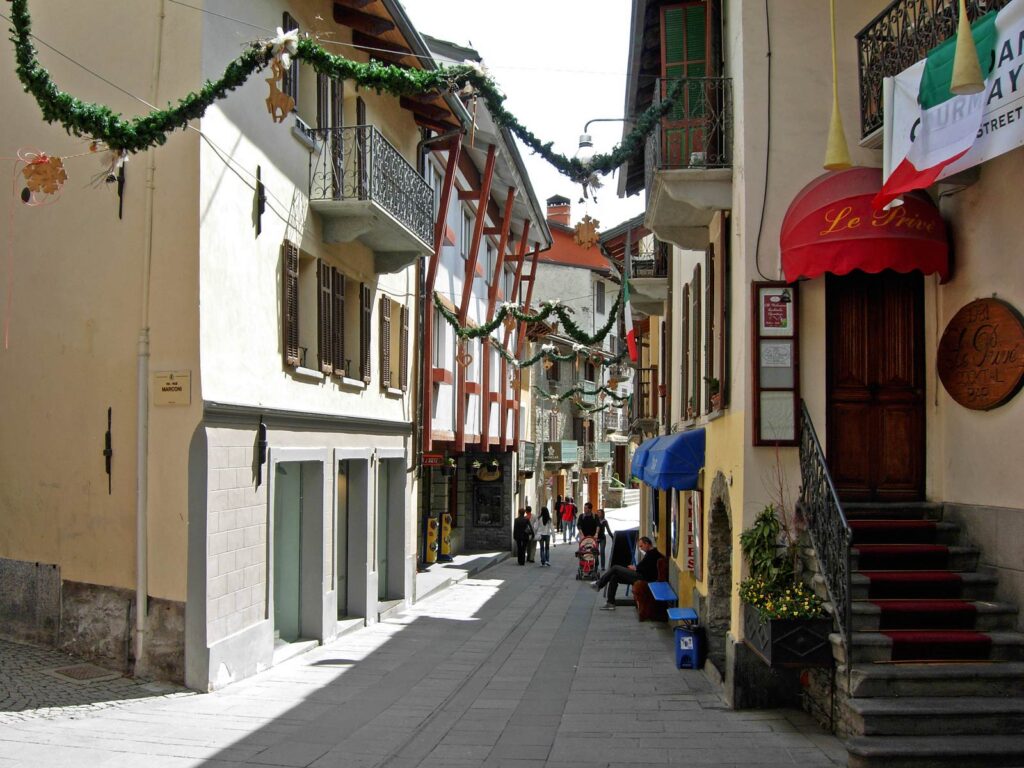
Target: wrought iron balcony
365 190
697 131
650 264
899 36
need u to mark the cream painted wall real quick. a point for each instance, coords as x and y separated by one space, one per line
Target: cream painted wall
76 312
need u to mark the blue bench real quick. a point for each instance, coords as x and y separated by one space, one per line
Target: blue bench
662 592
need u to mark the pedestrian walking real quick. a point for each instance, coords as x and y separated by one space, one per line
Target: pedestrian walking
544 532
556 509
531 545
522 532
568 519
587 524
603 534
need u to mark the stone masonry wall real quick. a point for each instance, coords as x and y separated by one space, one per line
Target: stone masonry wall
237 535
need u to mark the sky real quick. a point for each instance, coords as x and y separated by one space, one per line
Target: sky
559 63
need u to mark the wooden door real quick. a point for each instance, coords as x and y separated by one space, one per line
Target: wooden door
875 374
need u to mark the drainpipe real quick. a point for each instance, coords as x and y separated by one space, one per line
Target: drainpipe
142 435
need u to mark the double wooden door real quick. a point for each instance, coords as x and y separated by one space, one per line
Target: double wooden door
875 375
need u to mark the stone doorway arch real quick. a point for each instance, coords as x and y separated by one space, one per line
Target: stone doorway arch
718 611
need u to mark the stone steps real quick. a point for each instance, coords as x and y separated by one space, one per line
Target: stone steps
937 716
894 556
904 531
919 510
983 751
875 647
977 585
933 679
866 615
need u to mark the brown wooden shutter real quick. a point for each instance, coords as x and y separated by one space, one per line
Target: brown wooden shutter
365 319
338 330
290 303
290 84
403 349
324 315
385 342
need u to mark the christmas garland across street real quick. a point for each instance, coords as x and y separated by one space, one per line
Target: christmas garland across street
548 308
121 135
578 391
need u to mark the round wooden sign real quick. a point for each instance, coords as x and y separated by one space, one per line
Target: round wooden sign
981 354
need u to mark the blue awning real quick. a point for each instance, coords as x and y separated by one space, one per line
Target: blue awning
636 468
674 461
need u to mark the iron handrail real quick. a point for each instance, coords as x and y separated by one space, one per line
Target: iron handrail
829 530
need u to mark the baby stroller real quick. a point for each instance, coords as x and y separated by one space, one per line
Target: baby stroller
586 556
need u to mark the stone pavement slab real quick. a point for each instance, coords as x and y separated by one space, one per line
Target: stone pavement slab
514 666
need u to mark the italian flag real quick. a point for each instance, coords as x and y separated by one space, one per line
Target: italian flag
627 316
945 126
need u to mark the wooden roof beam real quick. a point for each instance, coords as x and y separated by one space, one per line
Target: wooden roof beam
361 21
379 44
353 3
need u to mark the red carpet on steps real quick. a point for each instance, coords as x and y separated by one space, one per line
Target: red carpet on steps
891 531
918 557
909 645
926 614
912 584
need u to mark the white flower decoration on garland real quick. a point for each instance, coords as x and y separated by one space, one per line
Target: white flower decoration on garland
285 46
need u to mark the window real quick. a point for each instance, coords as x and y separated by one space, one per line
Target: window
440 357
599 298
465 234
394 345
553 433
553 371
436 179
329 97
290 85
696 342
309 337
490 262
365 321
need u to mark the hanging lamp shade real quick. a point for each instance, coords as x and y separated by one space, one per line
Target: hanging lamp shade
837 153
830 227
966 77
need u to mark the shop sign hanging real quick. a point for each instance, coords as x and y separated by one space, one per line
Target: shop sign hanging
981 355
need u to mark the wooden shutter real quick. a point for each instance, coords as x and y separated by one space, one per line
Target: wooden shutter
365 320
403 349
324 314
338 330
684 55
385 342
290 85
290 303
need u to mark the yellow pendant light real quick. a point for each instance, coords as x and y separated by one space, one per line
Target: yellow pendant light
967 77
837 154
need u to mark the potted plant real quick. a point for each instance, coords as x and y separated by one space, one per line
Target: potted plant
714 392
784 622
448 467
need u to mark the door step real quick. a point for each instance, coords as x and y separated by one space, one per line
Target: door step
932 645
983 678
922 585
984 751
980 615
942 715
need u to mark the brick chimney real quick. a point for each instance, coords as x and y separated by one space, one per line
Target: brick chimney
558 210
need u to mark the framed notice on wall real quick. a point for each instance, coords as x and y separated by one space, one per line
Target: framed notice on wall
776 379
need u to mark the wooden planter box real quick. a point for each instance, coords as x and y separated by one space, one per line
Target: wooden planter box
792 643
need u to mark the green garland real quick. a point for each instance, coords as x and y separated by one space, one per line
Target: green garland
579 390
548 354
99 122
547 309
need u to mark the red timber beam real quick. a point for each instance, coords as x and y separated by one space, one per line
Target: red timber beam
454 150
481 196
517 283
492 300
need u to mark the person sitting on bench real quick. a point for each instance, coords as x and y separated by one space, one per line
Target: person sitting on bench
646 569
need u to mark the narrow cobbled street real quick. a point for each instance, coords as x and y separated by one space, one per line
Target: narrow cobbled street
513 667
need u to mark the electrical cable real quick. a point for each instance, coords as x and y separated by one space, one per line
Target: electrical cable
768 144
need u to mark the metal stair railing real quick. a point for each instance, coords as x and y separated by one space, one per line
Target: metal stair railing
827 525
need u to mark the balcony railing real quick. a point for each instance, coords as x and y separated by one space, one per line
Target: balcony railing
650 263
358 163
645 400
899 36
697 131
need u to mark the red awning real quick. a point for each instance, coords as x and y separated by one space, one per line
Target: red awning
830 227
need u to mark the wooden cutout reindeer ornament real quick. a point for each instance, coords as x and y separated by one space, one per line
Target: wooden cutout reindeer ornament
279 103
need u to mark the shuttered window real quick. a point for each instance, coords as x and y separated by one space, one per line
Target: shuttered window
325 317
385 342
291 75
338 331
365 321
553 370
684 55
403 349
290 303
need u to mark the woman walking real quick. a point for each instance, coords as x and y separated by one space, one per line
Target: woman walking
603 534
544 530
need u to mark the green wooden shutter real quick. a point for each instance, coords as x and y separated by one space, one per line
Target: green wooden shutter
290 303
338 340
385 342
403 349
684 56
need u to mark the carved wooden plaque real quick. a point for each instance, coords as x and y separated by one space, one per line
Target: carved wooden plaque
981 354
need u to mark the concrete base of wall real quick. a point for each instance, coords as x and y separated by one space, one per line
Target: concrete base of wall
234 658
752 684
29 602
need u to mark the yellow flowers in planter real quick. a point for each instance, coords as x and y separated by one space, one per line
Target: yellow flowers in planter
775 599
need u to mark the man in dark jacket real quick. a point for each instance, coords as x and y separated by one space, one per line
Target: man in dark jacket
646 570
587 524
522 532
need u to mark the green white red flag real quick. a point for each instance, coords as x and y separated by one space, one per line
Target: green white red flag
940 128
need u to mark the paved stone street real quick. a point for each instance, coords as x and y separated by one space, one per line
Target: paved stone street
512 667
